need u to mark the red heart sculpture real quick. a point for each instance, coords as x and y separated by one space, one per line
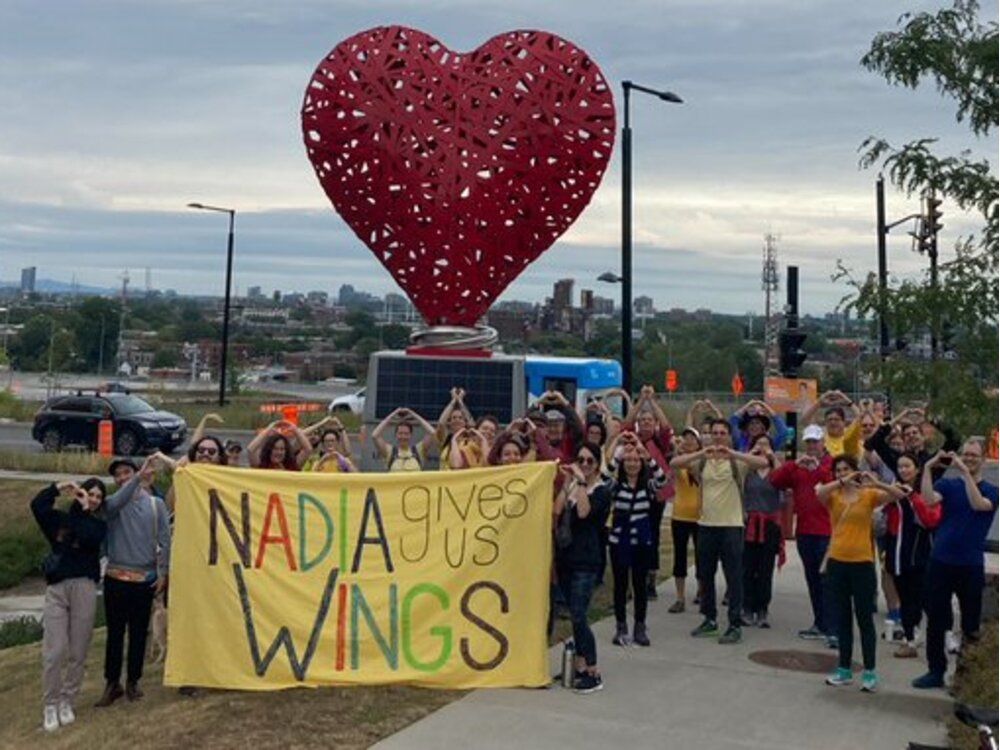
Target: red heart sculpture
458 169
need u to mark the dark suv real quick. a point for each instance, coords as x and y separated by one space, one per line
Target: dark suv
138 427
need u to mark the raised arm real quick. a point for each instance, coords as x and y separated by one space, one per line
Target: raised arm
976 499
305 447
754 462
381 444
254 446
115 502
199 431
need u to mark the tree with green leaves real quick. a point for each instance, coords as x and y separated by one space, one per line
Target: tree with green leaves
956 51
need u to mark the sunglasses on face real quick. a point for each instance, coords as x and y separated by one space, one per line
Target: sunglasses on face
208 451
585 461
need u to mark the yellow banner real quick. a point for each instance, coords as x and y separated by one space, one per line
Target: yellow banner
281 579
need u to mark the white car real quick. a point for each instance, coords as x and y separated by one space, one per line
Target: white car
353 402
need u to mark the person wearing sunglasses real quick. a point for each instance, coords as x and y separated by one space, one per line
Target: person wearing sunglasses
587 499
208 450
234 453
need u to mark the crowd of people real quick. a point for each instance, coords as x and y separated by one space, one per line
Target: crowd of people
868 496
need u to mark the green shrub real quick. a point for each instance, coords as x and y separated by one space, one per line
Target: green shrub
21 555
20 631
11 407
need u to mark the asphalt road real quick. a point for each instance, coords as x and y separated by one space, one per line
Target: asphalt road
16 436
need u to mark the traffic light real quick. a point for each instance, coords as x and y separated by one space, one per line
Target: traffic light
790 351
932 219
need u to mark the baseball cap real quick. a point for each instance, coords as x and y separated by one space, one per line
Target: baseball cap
118 462
554 415
813 432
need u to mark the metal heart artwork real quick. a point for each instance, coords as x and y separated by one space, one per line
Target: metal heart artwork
458 169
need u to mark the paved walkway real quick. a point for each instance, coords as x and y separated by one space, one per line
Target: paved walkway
693 693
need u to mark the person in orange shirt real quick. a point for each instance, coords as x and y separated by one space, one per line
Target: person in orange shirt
852 498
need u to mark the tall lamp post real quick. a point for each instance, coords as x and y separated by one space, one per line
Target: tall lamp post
666 96
229 282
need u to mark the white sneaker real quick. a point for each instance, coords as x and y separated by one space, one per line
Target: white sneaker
889 631
66 715
50 719
952 642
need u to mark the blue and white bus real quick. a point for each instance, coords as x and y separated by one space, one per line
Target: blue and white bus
580 379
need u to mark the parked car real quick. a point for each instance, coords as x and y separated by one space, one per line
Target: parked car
138 426
353 402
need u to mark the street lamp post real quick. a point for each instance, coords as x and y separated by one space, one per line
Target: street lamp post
229 281
626 277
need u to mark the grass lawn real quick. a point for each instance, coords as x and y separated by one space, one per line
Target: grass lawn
22 545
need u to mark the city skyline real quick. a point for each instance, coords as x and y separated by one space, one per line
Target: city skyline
179 102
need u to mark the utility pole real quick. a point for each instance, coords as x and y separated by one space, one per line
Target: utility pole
932 225
769 283
883 273
791 357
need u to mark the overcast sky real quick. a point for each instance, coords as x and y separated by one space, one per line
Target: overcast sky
114 115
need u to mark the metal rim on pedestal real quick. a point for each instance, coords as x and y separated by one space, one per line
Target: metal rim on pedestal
455 337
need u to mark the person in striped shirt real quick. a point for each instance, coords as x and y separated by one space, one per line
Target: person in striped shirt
635 478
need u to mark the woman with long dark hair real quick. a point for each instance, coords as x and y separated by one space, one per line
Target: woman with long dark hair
635 479
273 448
910 524
587 499
852 498
72 571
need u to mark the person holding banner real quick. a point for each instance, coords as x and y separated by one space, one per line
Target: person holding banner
72 571
404 455
272 448
138 548
852 498
335 454
587 500
635 480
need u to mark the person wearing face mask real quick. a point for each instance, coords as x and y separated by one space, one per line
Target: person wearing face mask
763 540
852 498
968 505
72 571
721 472
812 524
587 499
910 523
635 478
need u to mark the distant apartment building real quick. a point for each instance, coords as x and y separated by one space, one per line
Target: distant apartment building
562 294
255 294
28 280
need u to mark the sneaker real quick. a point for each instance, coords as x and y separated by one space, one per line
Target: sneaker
929 680
952 643
639 635
748 620
839 676
733 634
832 642
811 634
893 632
66 715
676 607
869 681
707 629
621 635
906 651
50 719
762 621
588 683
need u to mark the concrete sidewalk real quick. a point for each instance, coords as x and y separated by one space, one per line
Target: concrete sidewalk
693 693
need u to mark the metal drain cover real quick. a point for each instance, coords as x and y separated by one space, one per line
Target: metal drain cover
796 661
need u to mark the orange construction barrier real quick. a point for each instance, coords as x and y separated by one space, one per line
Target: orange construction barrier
993 450
280 408
290 413
106 438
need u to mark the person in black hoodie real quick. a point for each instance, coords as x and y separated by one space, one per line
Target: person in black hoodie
72 570
910 423
587 500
